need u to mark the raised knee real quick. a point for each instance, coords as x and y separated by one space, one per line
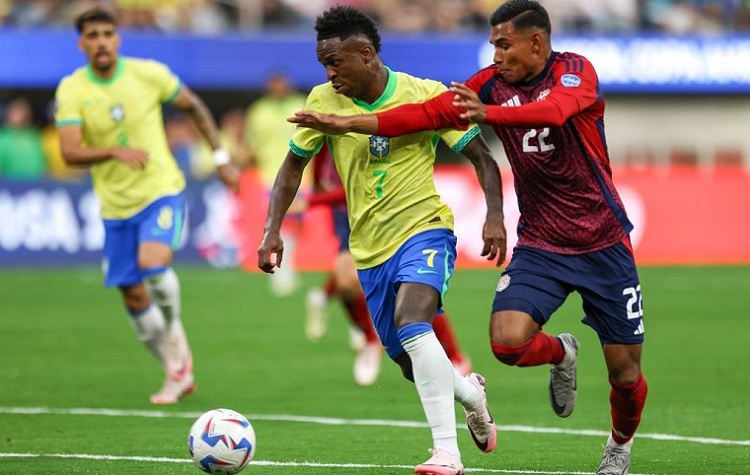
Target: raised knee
509 355
347 287
626 377
136 298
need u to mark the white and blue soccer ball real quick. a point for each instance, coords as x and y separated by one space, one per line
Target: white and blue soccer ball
221 441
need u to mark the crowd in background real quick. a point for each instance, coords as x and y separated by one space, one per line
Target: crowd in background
403 16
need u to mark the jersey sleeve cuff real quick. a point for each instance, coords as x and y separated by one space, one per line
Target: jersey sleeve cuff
63 122
467 137
304 153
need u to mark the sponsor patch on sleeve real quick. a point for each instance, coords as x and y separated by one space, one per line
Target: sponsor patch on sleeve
570 80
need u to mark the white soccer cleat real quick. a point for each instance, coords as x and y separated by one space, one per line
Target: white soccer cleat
283 281
179 381
316 318
442 462
616 458
174 389
562 379
357 339
479 420
367 364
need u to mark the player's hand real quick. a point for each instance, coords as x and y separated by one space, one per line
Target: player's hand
466 99
230 176
270 252
133 157
330 124
495 239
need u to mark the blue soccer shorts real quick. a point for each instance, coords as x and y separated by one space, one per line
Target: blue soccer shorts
538 282
341 228
161 221
426 258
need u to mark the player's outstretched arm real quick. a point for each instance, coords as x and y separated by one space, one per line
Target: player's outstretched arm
75 154
468 101
436 113
559 106
192 105
493 232
333 124
285 187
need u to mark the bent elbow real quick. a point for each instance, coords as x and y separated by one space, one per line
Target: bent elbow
68 158
559 121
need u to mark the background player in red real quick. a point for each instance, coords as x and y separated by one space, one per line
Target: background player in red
343 284
547 109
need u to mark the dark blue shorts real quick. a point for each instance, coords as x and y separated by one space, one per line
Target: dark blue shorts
538 282
161 221
341 228
427 258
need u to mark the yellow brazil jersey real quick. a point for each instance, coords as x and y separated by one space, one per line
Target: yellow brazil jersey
267 133
124 111
389 183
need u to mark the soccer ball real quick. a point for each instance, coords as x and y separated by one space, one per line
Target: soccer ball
221 441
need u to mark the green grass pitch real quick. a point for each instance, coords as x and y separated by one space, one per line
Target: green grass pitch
74 382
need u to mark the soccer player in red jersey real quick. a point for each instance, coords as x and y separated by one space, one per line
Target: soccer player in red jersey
548 110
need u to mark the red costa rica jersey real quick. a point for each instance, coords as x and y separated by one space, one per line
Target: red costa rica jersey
552 130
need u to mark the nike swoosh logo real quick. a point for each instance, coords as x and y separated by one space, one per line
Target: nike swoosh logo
425 383
158 232
555 406
481 445
426 271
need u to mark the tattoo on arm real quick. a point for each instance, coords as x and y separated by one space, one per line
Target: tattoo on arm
203 120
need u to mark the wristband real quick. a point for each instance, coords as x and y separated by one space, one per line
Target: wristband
221 157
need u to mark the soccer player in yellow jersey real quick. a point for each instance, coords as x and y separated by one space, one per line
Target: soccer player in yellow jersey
402 237
110 120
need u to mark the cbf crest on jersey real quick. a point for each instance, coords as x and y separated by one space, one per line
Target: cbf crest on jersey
117 112
380 146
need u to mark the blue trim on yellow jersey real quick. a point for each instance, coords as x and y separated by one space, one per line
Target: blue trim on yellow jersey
174 94
304 153
390 89
468 137
63 122
106 82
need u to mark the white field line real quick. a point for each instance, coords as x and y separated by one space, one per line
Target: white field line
268 463
82 411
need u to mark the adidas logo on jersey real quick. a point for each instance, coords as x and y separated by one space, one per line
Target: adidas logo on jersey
512 102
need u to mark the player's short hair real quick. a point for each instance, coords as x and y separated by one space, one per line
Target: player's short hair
523 14
343 22
94 15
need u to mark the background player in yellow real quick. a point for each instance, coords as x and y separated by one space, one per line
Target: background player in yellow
110 120
267 134
402 237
